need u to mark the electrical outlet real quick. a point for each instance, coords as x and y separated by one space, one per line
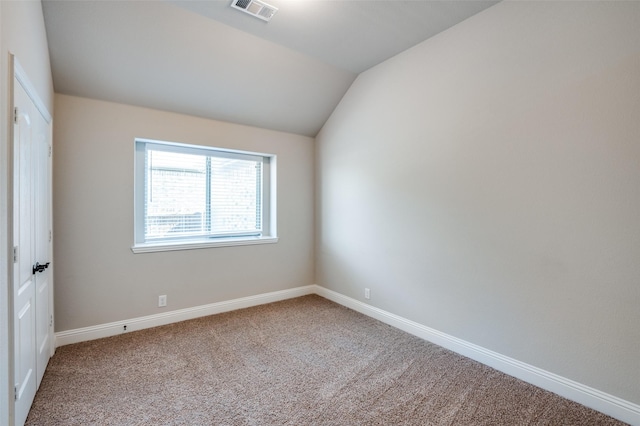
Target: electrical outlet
162 300
367 293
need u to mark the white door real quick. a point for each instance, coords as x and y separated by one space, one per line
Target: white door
32 289
24 283
41 136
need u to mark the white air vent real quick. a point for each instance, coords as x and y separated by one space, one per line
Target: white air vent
256 8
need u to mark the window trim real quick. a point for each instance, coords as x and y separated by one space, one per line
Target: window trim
269 232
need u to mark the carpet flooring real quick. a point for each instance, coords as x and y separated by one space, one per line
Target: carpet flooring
304 361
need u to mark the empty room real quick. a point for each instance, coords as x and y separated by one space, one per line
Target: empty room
337 212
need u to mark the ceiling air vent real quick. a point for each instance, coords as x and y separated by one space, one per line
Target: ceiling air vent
256 8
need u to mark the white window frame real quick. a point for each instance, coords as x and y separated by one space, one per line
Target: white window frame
269 219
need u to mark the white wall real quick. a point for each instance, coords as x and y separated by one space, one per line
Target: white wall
99 279
486 184
22 33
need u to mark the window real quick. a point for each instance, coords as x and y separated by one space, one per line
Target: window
190 196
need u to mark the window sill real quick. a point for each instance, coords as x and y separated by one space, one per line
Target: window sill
192 245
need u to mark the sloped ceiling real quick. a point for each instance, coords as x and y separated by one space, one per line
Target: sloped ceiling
204 58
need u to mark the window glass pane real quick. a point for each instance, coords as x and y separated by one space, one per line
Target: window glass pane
195 195
236 196
175 195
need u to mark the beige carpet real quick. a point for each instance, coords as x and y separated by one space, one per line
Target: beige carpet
305 361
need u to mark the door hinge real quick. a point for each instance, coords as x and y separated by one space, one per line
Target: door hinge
50 234
15 393
15 114
51 321
15 254
50 149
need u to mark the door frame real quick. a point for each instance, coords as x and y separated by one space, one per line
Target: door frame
7 244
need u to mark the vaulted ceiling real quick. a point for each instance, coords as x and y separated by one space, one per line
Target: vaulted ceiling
206 59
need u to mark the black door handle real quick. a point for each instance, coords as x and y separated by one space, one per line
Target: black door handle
39 268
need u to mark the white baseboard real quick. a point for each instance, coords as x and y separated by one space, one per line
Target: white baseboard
582 394
113 328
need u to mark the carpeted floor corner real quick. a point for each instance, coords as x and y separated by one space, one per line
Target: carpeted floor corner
304 361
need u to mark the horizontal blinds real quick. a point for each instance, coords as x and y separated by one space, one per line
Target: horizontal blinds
235 205
195 195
